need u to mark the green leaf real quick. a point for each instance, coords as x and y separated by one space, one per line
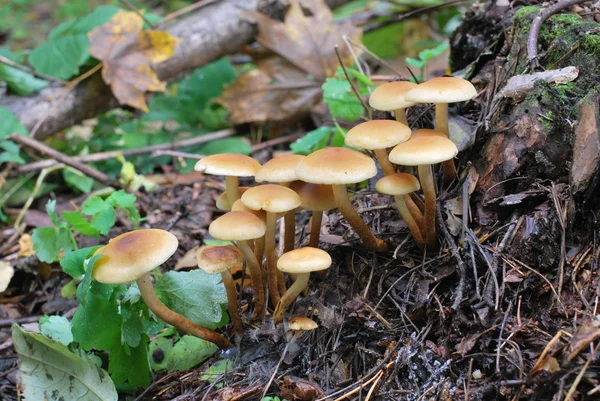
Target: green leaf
130 364
11 154
195 294
10 124
50 371
60 57
83 25
51 210
132 327
312 141
413 62
44 244
77 180
57 328
80 223
121 199
341 100
83 290
159 351
188 352
97 324
428 54
73 262
93 205
104 220
225 145
19 82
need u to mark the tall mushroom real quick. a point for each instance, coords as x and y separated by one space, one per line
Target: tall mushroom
390 97
273 199
424 148
338 167
219 260
301 261
230 165
317 198
241 227
130 257
259 243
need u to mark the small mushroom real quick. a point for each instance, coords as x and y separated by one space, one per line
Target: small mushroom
259 243
390 97
130 257
222 202
301 261
220 259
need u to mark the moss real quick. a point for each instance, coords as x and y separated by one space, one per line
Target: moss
547 120
591 44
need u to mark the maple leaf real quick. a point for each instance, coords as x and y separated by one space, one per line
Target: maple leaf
126 52
301 55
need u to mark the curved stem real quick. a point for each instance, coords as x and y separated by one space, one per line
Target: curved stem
231 187
271 254
290 231
315 228
259 249
418 201
415 212
181 323
387 166
232 306
410 222
401 116
352 217
441 124
426 177
295 289
257 281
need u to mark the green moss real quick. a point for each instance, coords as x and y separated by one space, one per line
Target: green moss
546 120
591 44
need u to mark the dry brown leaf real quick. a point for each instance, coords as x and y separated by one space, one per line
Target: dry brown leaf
25 246
126 52
288 80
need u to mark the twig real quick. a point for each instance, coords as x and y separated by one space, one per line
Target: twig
184 10
354 89
62 158
97 157
276 141
11 63
33 194
536 25
462 270
275 371
137 11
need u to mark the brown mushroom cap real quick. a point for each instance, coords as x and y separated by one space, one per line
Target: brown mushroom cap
231 164
301 323
377 134
390 96
442 90
217 259
222 202
129 256
398 184
271 198
422 149
304 260
315 197
238 205
336 166
237 226
279 169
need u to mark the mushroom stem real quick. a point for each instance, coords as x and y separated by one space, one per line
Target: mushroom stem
441 124
428 187
401 116
231 187
418 202
257 281
295 289
362 230
415 212
232 306
384 162
271 254
259 249
315 228
180 322
290 231
409 220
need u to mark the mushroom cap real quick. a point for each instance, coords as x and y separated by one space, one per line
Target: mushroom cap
398 184
237 226
279 169
301 323
129 256
423 148
304 260
377 134
390 96
271 198
442 90
336 166
231 164
238 205
222 202
217 259
315 197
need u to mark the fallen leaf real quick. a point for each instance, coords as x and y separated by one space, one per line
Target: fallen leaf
297 389
299 56
127 52
588 332
25 246
6 274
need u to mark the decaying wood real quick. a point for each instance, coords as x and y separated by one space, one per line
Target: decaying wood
216 30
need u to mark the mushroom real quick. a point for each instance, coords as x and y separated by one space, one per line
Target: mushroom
424 148
273 199
230 165
241 227
282 170
441 91
301 261
220 259
317 198
130 257
338 167
390 97
259 243
222 202
378 135
401 185
299 324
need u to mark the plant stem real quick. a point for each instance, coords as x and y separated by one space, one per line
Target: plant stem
362 230
415 212
384 161
409 220
427 185
181 323
257 281
231 187
401 116
232 306
292 293
271 254
259 249
315 228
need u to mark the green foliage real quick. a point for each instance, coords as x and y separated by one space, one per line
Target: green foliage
187 352
9 151
77 180
19 82
339 96
424 56
318 139
48 242
57 328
